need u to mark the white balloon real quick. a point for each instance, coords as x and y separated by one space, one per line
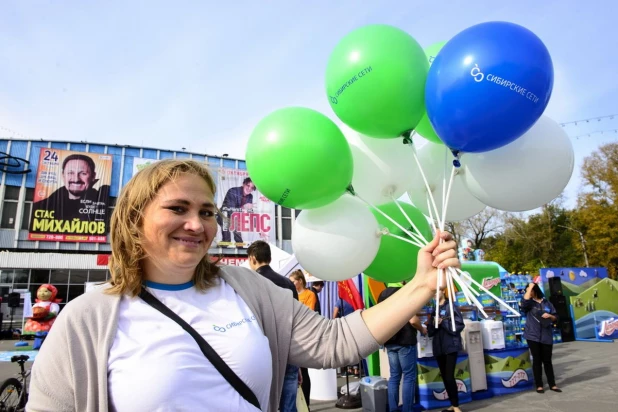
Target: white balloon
437 162
525 174
336 241
381 167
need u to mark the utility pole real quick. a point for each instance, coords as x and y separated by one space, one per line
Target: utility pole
583 241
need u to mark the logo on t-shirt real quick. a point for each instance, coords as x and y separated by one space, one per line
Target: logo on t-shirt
241 322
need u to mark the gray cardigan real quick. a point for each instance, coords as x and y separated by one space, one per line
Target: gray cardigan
70 372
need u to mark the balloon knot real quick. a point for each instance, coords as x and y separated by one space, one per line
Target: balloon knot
407 136
351 190
456 162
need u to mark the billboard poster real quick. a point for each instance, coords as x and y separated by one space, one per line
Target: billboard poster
71 197
139 163
246 215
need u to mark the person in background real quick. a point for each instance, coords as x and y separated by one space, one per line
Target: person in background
446 345
308 298
260 256
540 315
305 296
402 357
316 287
108 347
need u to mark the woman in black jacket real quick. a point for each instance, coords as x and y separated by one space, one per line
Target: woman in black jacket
446 344
540 315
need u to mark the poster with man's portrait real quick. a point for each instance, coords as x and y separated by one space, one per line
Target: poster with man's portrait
246 215
71 197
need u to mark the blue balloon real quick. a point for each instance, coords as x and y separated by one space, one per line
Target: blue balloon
488 86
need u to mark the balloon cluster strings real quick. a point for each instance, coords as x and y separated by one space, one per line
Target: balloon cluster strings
416 239
450 274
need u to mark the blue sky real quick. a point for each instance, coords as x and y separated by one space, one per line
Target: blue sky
201 74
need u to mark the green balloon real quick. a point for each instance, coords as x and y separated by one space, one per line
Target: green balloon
424 127
299 158
396 259
375 81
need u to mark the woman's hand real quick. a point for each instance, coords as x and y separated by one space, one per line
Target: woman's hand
436 255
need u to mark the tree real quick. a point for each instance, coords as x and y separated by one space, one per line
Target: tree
479 227
597 213
529 243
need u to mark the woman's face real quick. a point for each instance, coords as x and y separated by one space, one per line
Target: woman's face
298 283
178 226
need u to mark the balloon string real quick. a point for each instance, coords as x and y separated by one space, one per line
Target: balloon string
481 287
433 222
427 187
464 286
417 232
451 296
448 196
406 231
438 297
441 219
404 239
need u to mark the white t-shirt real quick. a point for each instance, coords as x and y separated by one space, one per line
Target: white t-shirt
154 365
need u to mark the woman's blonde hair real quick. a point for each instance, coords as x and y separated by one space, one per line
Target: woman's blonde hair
125 263
299 275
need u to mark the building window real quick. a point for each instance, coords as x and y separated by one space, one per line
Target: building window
39 276
98 276
9 211
27 214
59 276
286 223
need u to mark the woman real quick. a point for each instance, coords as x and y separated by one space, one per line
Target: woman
446 345
114 349
306 296
540 315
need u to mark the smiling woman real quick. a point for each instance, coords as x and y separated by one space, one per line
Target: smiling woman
174 331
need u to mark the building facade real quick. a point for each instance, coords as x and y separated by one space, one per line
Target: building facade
27 262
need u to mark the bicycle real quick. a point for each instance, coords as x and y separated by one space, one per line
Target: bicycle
14 391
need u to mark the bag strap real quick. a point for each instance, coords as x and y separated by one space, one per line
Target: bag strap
207 350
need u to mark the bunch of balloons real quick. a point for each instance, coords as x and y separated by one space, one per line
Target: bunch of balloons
478 102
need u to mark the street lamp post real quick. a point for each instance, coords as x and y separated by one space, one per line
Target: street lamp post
581 238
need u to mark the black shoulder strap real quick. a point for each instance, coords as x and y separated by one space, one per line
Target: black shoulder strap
208 351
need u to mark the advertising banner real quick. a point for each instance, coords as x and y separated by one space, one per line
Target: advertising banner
139 163
71 197
508 371
246 215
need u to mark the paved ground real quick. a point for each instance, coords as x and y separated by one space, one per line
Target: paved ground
586 371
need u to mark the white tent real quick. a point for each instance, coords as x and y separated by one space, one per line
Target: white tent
279 258
291 265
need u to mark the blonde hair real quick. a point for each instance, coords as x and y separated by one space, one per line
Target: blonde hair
298 275
126 225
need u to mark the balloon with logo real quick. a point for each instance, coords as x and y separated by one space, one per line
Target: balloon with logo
396 259
488 85
337 241
381 167
375 81
437 162
544 165
299 158
424 127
